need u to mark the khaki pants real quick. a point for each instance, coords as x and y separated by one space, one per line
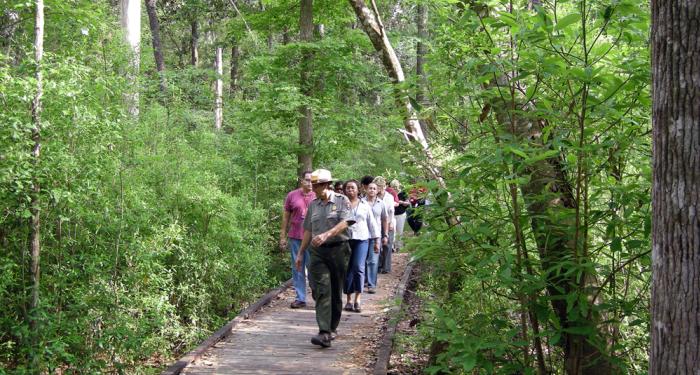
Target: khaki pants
327 266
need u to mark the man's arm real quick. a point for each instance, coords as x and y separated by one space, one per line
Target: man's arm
300 253
283 229
321 238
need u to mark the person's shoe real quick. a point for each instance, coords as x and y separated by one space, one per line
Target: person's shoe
334 334
357 307
297 304
322 339
371 290
348 307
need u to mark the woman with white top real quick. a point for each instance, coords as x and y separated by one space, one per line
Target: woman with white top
364 229
381 218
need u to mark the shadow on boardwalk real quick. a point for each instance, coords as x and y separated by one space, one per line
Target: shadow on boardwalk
276 340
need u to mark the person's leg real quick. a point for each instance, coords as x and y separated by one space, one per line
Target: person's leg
372 266
348 285
298 277
337 262
359 259
400 223
320 280
385 263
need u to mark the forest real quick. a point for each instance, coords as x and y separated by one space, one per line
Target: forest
146 148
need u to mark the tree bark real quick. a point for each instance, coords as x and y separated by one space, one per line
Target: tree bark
372 25
131 23
194 43
34 195
219 102
422 31
306 143
235 55
675 299
155 40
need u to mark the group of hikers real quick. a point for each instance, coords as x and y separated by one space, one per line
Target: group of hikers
343 234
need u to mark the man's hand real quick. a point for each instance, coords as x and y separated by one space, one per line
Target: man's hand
385 240
391 227
297 262
283 243
376 247
319 239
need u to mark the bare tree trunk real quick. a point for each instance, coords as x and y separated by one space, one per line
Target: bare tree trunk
219 102
194 43
34 195
285 36
422 30
372 25
131 23
675 298
306 143
235 55
155 39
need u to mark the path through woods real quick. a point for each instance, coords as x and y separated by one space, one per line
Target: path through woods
276 340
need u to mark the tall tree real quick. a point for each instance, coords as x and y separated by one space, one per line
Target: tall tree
306 142
219 89
34 195
235 56
421 50
373 27
155 39
130 17
194 42
675 301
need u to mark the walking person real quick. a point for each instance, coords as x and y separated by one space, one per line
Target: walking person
364 229
325 229
292 232
400 214
382 225
388 199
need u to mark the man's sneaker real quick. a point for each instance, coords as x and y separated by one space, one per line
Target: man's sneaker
348 307
297 304
323 340
371 290
334 334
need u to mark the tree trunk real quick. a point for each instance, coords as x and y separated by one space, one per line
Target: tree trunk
219 102
372 25
675 298
131 23
306 143
285 36
155 39
34 195
194 44
422 31
235 55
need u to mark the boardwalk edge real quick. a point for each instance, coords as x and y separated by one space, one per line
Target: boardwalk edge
224 331
381 367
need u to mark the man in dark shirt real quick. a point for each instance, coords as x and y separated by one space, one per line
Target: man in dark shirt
325 228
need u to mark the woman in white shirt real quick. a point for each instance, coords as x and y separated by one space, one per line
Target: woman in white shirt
364 229
381 218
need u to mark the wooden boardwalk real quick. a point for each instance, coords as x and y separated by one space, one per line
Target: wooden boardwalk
276 340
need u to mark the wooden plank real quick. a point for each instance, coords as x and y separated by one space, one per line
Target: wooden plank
384 351
222 333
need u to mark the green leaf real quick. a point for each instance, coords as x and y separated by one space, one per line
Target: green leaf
567 21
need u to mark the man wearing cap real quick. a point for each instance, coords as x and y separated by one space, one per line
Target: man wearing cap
325 229
292 231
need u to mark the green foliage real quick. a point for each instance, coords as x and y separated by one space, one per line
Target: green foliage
586 111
